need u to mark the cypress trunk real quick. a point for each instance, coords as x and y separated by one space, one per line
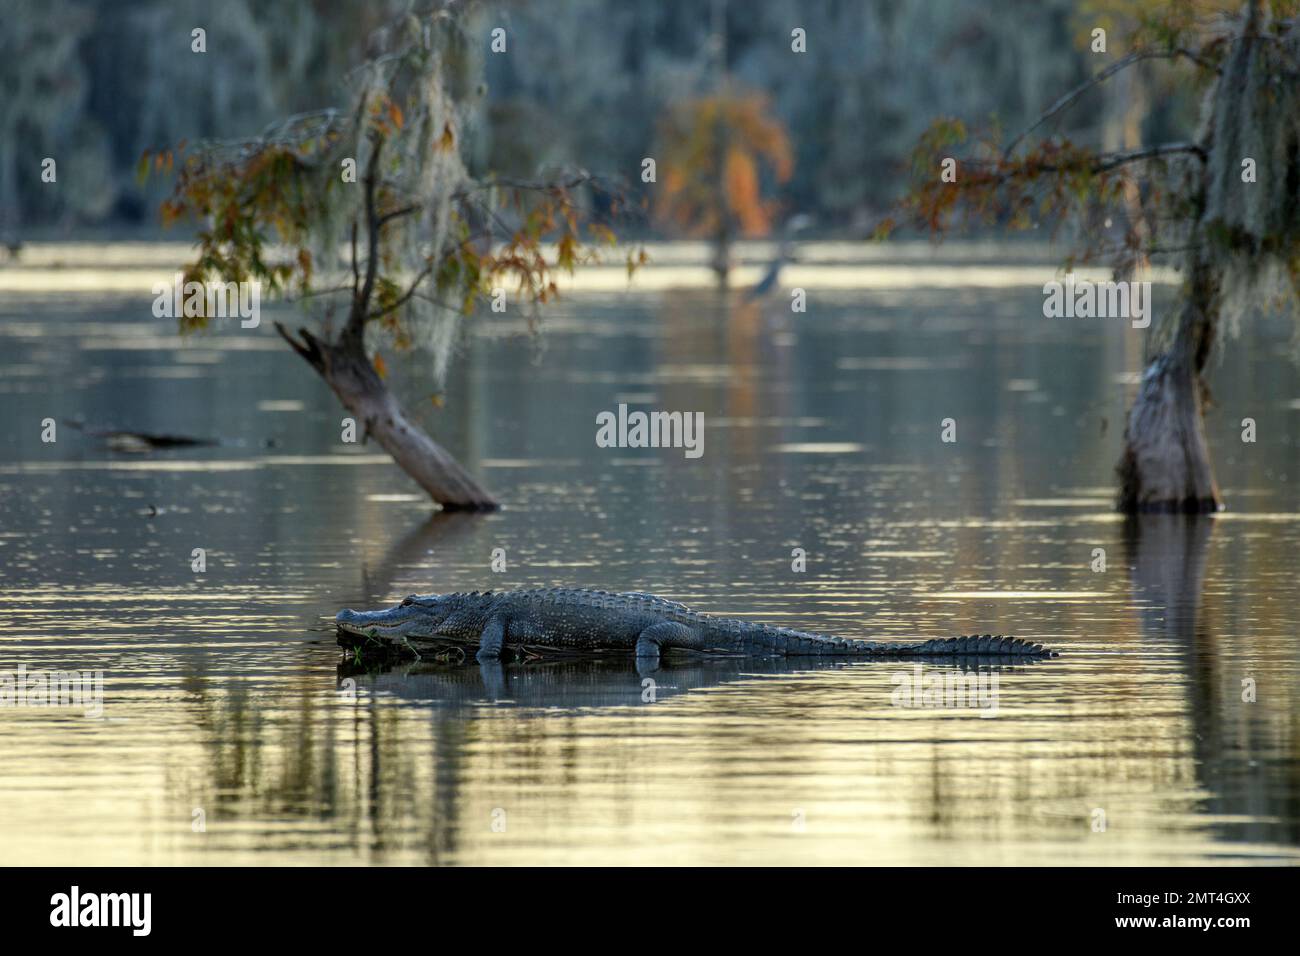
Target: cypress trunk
1165 466
347 371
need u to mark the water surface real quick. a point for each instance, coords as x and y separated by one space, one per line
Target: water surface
227 702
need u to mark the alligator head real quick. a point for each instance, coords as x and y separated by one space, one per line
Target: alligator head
417 616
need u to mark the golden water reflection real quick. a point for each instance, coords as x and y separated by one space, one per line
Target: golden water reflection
234 732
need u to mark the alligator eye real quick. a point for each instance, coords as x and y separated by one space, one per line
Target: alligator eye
408 601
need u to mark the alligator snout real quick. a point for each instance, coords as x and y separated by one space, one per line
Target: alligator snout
389 622
347 619
359 622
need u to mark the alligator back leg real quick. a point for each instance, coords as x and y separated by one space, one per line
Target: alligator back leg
491 640
665 634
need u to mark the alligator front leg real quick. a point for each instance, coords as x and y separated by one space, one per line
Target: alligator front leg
491 640
658 636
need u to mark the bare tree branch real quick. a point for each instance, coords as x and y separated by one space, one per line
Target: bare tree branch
404 297
309 348
1099 163
1109 161
315 293
580 178
356 323
397 213
1065 101
356 273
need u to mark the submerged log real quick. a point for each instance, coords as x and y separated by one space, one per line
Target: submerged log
139 442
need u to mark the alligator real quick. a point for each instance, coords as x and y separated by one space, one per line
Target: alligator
577 620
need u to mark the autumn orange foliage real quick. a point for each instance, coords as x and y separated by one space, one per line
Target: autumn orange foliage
714 150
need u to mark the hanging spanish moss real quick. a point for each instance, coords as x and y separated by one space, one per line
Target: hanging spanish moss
1251 223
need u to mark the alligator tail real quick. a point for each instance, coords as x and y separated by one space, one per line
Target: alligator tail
798 644
977 645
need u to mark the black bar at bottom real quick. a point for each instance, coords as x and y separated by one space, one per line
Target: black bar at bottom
307 904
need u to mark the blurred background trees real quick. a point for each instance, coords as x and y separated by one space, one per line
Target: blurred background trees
119 79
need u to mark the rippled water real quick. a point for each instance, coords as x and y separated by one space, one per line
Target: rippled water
228 704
